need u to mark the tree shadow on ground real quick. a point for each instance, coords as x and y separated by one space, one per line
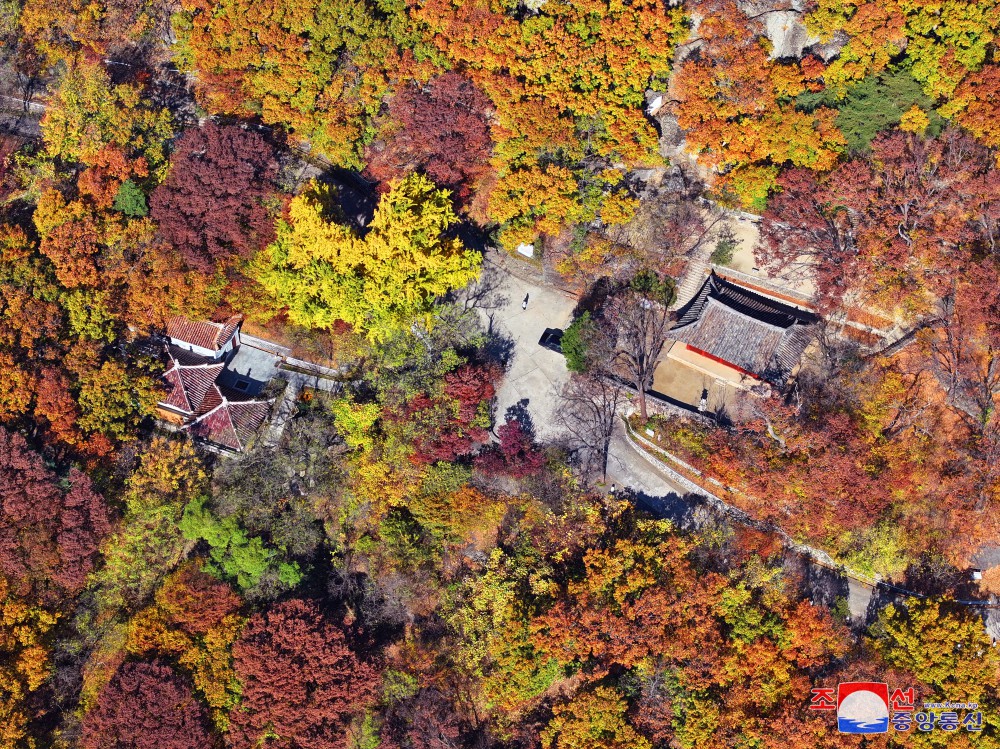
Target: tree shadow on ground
499 347
472 237
357 197
823 586
519 413
485 293
679 510
594 299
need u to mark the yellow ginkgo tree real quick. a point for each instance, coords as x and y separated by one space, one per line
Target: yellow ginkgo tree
379 282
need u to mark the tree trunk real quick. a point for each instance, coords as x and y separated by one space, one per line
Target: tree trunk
642 402
604 462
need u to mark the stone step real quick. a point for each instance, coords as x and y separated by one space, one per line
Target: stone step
694 277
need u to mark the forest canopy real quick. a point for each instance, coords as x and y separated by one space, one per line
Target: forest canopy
551 374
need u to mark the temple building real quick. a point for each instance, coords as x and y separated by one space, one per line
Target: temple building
211 382
729 338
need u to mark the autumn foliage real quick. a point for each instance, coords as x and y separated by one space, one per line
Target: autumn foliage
453 424
397 567
737 107
213 207
324 273
440 128
301 682
24 641
146 706
49 533
194 619
890 224
514 454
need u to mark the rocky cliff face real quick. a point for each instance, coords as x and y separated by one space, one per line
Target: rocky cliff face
782 23
787 34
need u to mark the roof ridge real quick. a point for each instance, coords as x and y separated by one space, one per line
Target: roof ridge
229 417
744 315
203 365
212 410
177 388
226 402
753 296
695 305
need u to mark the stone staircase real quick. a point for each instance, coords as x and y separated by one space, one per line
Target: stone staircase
694 276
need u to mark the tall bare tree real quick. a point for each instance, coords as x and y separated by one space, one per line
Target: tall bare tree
639 319
965 346
588 409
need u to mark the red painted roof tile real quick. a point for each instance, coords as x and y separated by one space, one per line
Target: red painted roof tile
176 396
231 425
209 335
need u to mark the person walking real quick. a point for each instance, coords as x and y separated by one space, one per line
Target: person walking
524 304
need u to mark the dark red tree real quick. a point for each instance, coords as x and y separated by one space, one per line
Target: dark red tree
301 682
146 706
441 129
901 218
470 385
654 715
213 204
452 425
515 455
804 220
49 536
83 522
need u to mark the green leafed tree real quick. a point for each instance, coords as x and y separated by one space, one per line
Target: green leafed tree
576 342
131 200
234 553
147 544
874 104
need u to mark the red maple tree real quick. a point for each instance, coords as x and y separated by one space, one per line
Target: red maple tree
301 682
49 536
515 455
439 128
451 424
146 706
212 206
896 220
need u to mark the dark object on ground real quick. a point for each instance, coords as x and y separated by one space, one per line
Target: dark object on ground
552 340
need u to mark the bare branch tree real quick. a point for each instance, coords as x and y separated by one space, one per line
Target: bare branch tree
640 321
588 409
965 349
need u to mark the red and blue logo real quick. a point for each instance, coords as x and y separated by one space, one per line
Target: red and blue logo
863 707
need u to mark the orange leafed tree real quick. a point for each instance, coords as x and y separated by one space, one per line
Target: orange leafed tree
318 69
737 107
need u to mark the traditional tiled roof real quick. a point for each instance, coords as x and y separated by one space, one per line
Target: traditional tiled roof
231 424
752 332
208 335
215 413
189 380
